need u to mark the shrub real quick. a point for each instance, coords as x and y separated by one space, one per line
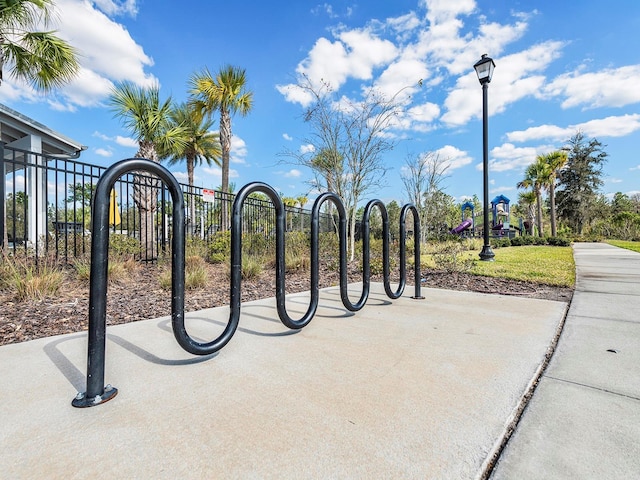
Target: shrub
539 241
452 257
517 241
502 242
219 247
558 241
258 244
124 245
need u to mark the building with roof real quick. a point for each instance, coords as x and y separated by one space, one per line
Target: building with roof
31 145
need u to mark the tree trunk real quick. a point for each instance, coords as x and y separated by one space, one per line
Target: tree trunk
352 235
145 196
552 201
539 205
192 202
225 145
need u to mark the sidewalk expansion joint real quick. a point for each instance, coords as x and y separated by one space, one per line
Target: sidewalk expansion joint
592 387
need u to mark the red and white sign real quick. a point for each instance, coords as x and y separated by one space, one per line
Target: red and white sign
208 195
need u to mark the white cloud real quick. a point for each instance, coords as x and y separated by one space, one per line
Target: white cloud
17 183
217 172
110 7
614 126
287 137
238 150
182 176
453 157
516 76
103 152
307 148
354 54
635 168
607 88
509 157
615 180
127 142
293 173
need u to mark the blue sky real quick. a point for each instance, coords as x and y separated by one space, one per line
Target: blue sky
560 67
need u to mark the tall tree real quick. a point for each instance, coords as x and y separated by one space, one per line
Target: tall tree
39 58
555 162
227 94
349 139
200 145
147 119
580 181
422 177
527 200
536 176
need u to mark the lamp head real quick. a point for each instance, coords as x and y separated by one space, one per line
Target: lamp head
484 68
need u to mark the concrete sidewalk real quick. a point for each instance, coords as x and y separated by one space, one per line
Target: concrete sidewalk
403 389
584 419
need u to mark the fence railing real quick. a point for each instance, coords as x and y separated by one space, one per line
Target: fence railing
45 208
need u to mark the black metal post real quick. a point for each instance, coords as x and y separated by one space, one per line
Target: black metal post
97 393
487 253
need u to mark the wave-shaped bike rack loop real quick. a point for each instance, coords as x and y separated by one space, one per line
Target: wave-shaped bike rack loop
97 393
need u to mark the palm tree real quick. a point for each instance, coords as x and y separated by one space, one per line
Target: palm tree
201 145
536 177
555 162
225 93
302 200
40 58
142 113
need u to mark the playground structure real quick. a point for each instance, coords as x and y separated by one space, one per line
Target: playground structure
501 226
468 224
500 223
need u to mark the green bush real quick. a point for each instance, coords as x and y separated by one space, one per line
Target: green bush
558 241
501 242
123 245
219 247
539 241
517 241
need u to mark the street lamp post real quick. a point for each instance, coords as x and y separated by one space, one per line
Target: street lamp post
484 68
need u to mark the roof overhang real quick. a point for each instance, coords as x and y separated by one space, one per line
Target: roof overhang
15 125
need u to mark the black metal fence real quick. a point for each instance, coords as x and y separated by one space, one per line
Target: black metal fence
46 202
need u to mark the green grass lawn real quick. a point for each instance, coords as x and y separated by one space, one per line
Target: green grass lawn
542 264
532 263
635 246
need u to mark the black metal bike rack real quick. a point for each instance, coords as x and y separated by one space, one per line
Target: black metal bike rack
97 393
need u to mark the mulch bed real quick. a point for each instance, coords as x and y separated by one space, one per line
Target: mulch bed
140 297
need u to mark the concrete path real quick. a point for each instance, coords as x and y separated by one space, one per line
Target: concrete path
403 389
584 419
